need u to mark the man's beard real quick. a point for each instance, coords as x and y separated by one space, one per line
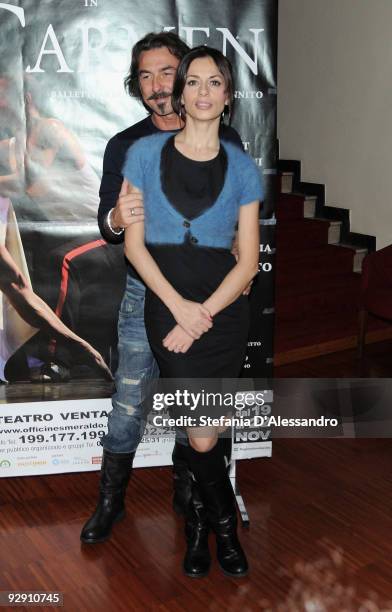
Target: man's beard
162 108
162 105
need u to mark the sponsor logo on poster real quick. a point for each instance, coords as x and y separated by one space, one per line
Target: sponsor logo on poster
81 461
57 461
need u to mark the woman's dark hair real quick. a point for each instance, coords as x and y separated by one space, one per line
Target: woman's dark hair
153 40
223 65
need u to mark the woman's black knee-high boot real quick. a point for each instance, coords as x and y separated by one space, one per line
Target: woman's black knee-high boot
181 479
187 501
197 558
218 497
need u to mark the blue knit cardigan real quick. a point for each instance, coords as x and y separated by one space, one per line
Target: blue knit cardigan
214 227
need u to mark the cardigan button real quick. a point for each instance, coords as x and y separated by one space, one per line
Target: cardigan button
194 240
186 224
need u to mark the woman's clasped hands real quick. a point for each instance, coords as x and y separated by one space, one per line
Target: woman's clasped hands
193 320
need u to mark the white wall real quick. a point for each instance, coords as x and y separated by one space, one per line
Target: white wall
335 103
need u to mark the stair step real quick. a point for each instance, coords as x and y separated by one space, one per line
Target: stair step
320 260
290 206
359 256
313 231
334 232
286 182
306 277
326 295
340 258
295 206
301 235
310 206
325 284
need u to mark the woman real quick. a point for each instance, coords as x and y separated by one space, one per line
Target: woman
196 188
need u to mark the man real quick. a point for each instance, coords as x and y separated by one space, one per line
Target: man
155 59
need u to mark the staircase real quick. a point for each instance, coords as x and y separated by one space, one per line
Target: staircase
318 272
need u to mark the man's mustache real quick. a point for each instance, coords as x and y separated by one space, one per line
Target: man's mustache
159 94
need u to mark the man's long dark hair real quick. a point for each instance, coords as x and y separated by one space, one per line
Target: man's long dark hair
153 40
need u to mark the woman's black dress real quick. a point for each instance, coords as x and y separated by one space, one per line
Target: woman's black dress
195 272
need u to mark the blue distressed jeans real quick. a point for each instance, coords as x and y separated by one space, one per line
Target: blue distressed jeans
136 369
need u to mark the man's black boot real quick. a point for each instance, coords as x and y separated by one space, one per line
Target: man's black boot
182 480
115 473
197 558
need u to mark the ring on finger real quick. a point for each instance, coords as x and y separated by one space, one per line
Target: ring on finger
132 211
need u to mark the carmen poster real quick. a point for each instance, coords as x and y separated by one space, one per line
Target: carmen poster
62 66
